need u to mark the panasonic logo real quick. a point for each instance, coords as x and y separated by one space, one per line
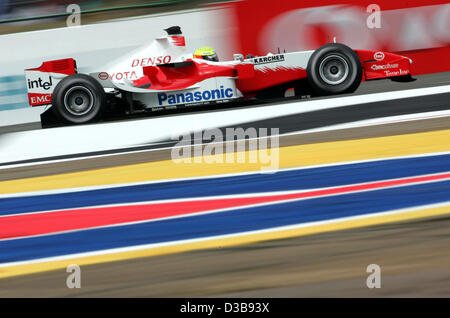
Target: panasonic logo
190 97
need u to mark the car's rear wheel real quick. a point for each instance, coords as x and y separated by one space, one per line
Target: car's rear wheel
334 69
79 99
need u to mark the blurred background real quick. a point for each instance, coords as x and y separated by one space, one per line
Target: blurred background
38 12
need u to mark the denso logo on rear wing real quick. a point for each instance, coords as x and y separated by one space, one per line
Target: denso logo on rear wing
42 81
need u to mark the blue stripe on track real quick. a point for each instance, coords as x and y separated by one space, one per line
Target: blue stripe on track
235 221
253 183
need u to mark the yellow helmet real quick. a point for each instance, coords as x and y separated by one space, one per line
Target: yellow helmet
206 53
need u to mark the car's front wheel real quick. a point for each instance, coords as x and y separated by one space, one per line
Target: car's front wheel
334 69
79 99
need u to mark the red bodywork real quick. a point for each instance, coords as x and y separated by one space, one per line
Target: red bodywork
182 75
250 80
64 66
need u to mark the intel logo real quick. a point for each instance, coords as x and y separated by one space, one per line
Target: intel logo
183 98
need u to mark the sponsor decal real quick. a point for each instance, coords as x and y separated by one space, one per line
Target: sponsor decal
268 59
123 75
383 67
379 56
39 99
150 61
103 76
396 73
40 83
40 86
191 97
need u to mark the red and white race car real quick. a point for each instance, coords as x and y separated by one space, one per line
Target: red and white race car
172 78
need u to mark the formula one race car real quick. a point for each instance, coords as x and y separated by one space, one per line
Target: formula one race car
161 75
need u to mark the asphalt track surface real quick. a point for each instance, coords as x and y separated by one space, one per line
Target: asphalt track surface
414 256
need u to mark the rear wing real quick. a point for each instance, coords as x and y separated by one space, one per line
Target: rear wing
42 81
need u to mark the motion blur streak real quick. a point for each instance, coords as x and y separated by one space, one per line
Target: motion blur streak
293 156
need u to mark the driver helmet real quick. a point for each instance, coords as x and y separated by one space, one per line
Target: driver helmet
206 53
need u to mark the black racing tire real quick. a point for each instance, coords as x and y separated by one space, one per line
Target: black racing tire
334 69
79 99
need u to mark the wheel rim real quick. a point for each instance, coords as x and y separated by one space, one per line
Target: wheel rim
334 69
78 100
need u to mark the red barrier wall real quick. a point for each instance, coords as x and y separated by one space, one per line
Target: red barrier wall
419 29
